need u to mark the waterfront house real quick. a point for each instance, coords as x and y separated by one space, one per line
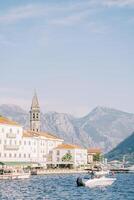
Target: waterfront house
69 155
20 146
93 153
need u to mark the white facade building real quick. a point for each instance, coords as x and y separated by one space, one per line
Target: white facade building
17 145
34 146
91 153
10 140
78 155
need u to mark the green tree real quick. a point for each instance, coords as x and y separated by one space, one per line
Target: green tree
97 157
67 157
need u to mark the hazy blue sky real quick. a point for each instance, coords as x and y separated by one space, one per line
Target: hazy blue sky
77 54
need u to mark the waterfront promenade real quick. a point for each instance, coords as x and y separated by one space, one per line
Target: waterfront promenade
57 171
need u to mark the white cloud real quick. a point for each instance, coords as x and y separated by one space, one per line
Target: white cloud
20 13
119 3
64 13
73 12
71 19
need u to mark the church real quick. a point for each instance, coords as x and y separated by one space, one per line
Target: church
26 146
34 146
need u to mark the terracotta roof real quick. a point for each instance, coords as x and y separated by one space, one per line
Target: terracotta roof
6 121
68 146
29 133
48 135
94 150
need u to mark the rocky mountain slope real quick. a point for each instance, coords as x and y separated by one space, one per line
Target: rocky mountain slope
102 127
125 148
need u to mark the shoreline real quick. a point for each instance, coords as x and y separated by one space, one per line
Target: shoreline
68 171
46 172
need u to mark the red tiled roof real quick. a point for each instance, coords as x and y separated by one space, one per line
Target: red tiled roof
68 146
94 150
29 133
6 121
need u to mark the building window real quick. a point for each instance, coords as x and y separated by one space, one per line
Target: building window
29 155
24 155
20 142
20 155
58 159
10 130
0 154
5 155
33 116
2 130
50 152
37 116
5 142
24 142
29 143
10 155
18 131
58 152
15 155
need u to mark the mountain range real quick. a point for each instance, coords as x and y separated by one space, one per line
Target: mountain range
102 127
124 149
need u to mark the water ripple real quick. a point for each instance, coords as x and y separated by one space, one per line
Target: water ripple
63 187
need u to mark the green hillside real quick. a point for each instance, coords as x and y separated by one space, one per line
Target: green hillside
125 148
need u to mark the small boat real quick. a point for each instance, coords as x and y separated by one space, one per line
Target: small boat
14 175
131 169
95 182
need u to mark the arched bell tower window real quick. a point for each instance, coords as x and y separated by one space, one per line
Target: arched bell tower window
37 116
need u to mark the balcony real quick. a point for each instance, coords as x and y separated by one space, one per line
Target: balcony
11 147
11 135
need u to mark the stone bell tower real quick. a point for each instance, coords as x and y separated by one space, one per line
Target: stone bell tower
35 114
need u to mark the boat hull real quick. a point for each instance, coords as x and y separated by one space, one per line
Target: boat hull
96 182
14 176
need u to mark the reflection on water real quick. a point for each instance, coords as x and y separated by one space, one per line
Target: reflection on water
63 187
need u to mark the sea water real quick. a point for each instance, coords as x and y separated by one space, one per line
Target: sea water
63 187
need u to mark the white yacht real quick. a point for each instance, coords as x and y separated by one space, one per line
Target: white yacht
97 179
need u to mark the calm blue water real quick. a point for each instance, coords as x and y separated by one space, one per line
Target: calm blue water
63 187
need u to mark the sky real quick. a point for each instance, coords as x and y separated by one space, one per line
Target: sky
76 54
